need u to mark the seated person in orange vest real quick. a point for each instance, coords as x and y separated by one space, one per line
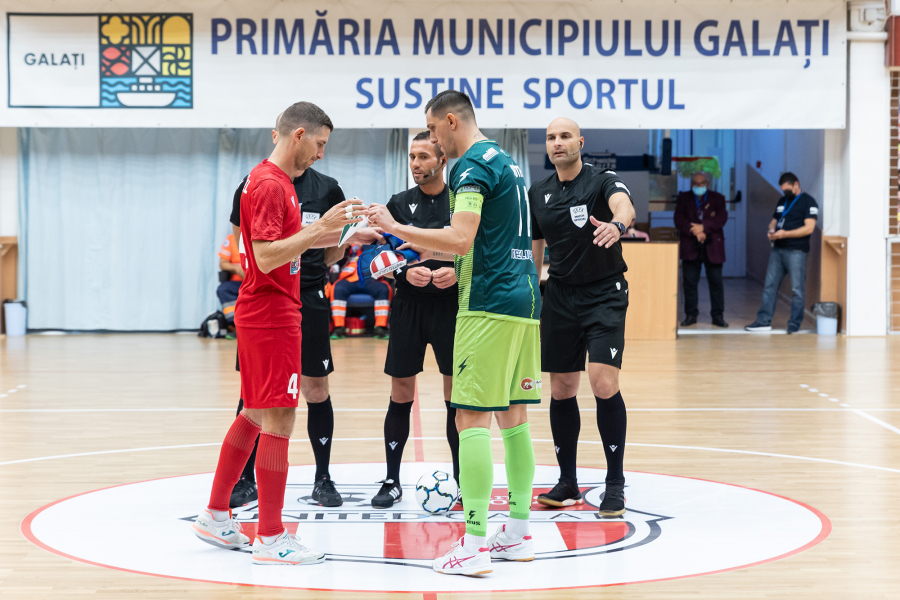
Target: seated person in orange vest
230 262
348 283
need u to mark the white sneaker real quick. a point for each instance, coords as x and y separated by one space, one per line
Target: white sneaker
507 547
285 550
224 534
459 561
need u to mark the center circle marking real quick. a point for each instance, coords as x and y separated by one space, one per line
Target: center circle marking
675 527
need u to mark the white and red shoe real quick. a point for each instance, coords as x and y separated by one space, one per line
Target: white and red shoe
502 545
463 561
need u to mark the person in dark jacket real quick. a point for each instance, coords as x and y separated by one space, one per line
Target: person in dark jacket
700 216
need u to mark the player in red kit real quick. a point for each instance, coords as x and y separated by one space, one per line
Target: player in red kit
268 324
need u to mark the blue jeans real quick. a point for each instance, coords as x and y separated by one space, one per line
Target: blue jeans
784 262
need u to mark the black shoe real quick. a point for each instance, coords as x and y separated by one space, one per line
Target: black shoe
720 322
613 504
790 330
389 493
382 333
325 494
244 493
564 493
339 333
757 326
688 321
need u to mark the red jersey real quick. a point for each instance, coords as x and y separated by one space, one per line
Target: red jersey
269 211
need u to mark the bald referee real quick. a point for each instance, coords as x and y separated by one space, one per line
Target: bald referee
584 306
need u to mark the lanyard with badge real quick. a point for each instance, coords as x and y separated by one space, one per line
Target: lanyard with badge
699 207
785 212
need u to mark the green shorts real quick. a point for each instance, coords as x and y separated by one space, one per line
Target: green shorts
497 362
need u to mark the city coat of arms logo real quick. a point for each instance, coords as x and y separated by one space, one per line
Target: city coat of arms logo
125 60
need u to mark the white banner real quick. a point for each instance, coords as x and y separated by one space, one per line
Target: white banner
711 64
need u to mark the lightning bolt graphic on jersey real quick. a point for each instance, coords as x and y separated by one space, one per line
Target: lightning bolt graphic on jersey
464 175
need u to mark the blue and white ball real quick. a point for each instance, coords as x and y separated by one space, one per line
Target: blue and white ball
437 492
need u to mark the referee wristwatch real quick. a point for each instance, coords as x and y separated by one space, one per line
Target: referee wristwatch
622 228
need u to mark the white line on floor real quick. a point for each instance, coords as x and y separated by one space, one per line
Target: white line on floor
887 426
496 439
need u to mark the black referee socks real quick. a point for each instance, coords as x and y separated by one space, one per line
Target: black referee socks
320 427
453 439
565 423
396 432
612 422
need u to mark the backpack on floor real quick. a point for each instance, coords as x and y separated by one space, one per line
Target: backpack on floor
214 326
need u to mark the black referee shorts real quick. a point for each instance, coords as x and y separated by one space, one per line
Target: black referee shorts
416 322
580 319
315 344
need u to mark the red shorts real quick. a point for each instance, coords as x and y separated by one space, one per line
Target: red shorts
270 366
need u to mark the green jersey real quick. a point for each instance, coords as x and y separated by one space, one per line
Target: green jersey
497 277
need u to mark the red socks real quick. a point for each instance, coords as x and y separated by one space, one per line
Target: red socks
271 472
271 478
235 451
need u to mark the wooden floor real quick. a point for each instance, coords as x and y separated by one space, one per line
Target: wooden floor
701 393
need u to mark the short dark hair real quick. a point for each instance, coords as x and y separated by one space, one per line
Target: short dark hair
303 114
451 101
788 178
426 135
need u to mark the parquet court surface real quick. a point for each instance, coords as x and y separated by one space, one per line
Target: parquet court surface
814 421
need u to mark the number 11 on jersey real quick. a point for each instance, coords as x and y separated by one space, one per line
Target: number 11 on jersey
523 193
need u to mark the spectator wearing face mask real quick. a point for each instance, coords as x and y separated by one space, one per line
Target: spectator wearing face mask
792 224
700 215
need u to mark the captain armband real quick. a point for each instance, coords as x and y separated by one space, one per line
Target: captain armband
468 201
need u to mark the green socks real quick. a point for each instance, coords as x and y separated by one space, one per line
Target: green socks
476 476
519 470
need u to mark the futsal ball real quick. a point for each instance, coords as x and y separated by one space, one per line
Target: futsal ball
437 492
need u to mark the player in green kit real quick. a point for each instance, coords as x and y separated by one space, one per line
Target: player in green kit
497 366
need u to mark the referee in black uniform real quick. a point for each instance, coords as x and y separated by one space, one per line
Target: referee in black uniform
316 193
581 212
423 312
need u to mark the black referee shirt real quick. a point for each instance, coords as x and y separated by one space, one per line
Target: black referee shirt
316 193
560 214
413 207
798 210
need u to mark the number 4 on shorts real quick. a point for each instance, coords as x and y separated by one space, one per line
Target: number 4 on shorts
292 386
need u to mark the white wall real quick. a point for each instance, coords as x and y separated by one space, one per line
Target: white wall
868 171
836 181
9 182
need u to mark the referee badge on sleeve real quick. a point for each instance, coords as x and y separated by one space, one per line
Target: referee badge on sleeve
579 215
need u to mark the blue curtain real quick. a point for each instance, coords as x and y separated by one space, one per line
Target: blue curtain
121 226
368 163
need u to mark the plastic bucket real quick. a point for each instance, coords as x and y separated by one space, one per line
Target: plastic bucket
15 313
826 325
